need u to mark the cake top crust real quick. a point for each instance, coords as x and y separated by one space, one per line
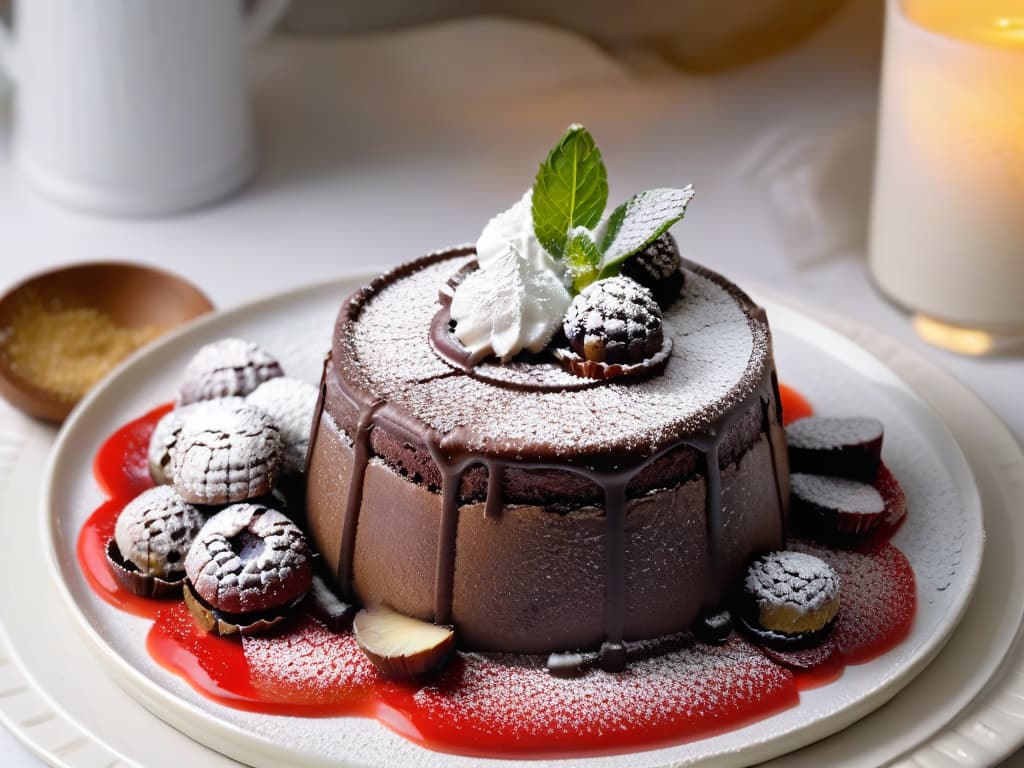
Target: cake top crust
382 351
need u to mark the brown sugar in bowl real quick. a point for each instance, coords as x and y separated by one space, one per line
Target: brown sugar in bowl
131 303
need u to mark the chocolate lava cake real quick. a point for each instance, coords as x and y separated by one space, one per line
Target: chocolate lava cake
534 510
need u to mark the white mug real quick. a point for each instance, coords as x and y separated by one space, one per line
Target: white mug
134 107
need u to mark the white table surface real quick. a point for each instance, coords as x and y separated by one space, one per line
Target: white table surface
377 149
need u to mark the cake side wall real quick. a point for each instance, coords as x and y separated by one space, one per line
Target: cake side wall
531 580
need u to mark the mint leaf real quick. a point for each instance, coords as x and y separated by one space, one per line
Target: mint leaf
638 221
582 257
571 190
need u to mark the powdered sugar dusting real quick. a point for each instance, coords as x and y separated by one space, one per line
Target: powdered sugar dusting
226 368
682 693
837 493
793 579
155 530
824 433
546 374
720 355
226 454
879 597
290 404
165 434
309 659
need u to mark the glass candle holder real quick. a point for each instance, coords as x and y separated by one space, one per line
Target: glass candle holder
947 220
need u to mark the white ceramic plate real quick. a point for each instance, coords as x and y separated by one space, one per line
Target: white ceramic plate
943 539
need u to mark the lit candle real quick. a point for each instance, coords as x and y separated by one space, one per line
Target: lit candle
947 224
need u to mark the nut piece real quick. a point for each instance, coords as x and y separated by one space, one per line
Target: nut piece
155 530
211 620
226 368
290 403
400 646
226 454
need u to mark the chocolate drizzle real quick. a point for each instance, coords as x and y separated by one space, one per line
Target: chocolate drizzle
611 473
451 479
713 511
613 656
495 497
766 426
360 460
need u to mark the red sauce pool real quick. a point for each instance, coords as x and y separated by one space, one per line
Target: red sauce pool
794 405
492 707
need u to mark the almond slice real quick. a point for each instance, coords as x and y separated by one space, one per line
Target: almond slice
401 646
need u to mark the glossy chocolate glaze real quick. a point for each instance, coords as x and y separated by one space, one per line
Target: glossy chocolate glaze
401 440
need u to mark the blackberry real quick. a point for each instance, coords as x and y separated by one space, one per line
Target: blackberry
658 267
615 320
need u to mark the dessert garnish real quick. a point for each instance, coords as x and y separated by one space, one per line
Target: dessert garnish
516 298
613 328
840 488
289 403
843 447
165 435
789 599
659 268
226 454
151 539
825 504
400 646
248 567
226 368
551 245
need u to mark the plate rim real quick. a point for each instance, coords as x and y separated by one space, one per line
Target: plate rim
227 736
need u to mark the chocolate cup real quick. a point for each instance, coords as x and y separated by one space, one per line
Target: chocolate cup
209 619
591 369
137 582
780 641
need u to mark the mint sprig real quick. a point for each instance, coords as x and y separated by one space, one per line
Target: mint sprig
570 190
638 222
582 257
569 196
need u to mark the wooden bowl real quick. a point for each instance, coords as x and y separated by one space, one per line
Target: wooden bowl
131 295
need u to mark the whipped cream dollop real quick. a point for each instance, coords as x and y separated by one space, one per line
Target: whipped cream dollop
517 297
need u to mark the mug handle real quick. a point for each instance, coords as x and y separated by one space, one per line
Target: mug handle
261 18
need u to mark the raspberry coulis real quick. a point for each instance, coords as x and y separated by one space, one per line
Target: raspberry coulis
500 707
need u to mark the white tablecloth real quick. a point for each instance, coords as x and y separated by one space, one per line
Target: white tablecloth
378 149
